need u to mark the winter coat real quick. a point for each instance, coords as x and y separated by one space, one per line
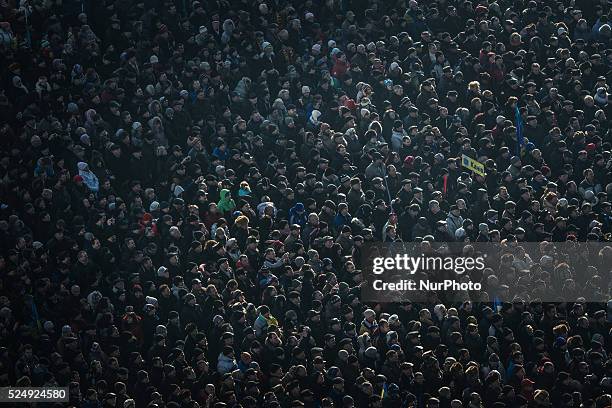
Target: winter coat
226 203
225 364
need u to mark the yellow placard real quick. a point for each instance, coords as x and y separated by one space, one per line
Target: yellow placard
474 165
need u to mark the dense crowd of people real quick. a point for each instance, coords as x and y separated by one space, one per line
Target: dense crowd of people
186 189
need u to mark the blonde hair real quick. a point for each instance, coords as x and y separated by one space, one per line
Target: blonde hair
242 220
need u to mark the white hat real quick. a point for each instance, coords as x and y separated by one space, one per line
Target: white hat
394 65
151 300
369 313
153 59
316 47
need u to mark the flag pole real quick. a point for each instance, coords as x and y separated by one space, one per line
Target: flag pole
519 129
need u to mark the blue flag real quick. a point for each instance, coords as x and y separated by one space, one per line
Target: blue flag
519 130
383 392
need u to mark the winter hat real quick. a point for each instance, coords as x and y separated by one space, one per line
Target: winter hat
151 300
350 103
589 196
72 108
154 206
542 398
369 313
